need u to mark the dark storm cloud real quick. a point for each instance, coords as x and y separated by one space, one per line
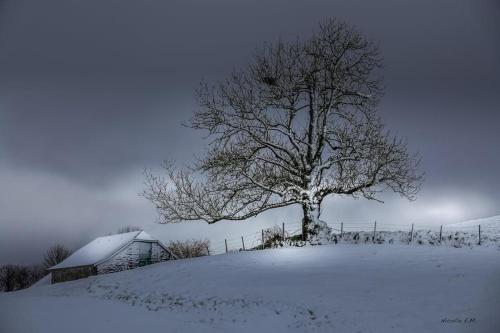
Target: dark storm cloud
91 92
60 129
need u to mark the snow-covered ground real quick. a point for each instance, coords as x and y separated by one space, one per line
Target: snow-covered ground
330 288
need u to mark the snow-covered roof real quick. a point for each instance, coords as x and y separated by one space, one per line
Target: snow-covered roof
101 248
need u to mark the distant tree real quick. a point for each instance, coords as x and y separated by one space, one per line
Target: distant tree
296 126
8 277
190 248
128 228
55 255
15 277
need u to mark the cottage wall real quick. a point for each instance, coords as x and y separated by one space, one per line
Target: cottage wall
159 254
72 273
129 258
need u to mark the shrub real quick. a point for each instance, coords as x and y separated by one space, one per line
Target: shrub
274 236
55 255
190 248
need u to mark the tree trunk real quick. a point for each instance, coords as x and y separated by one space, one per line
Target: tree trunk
310 221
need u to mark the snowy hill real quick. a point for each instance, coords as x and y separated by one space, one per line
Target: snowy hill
490 229
332 288
491 224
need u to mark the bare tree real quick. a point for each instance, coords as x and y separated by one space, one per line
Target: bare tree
295 126
9 276
55 255
15 277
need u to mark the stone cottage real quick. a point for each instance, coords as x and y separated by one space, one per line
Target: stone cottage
111 254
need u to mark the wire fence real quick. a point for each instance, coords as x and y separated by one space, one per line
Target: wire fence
292 231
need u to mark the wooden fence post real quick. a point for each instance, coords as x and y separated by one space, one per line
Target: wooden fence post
374 230
263 239
225 242
243 243
479 243
283 233
341 229
411 234
440 233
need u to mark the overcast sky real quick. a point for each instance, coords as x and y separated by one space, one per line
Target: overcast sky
93 92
